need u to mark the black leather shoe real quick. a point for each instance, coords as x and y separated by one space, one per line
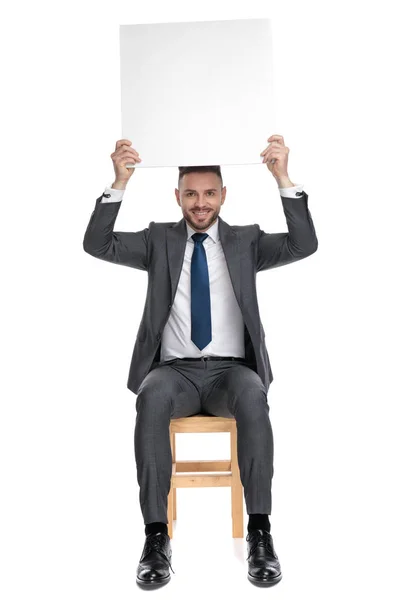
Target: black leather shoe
263 567
153 568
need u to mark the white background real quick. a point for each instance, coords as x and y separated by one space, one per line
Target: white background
71 521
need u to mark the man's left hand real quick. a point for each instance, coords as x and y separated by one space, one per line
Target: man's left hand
276 156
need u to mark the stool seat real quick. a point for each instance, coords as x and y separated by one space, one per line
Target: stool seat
206 473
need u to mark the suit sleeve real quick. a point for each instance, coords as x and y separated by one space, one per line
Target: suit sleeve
278 249
119 247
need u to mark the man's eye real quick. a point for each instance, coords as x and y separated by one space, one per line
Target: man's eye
189 193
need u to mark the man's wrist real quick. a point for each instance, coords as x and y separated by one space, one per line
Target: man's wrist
119 185
284 182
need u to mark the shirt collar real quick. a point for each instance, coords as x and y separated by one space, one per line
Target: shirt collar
212 231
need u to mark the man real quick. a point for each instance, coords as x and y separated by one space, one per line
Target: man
200 346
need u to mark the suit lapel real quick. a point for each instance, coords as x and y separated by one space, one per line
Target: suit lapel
176 245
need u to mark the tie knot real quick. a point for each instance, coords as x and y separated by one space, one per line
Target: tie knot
199 237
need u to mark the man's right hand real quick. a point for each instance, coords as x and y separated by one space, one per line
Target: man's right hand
124 154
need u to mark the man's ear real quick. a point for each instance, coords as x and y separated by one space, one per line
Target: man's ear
177 196
223 194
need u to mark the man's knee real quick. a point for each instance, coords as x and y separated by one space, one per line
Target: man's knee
252 401
156 391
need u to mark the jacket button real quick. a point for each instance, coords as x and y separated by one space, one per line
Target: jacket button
169 305
158 336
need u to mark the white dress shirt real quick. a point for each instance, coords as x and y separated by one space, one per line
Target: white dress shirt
227 325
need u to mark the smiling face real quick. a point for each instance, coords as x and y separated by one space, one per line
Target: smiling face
200 192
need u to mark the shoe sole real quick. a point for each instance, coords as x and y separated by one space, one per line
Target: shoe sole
152 582
264 582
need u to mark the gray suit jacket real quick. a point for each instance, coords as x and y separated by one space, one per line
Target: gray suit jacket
159 249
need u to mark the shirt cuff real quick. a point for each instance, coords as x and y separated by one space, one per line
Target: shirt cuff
290 192
111 194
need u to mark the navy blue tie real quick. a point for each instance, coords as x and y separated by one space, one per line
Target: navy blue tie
200 294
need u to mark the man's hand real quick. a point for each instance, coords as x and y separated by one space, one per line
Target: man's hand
276 157
124 155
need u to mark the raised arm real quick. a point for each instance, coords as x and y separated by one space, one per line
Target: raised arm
278 249
120 247
100 240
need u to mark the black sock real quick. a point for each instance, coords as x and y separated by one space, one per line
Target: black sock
258 521
155 527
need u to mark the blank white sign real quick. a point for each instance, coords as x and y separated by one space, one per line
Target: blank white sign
197 93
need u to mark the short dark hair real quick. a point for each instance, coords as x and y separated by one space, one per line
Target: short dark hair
203 169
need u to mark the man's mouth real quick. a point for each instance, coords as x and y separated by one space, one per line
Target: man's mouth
201 213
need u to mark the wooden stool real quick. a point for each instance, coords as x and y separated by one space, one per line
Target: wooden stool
183 471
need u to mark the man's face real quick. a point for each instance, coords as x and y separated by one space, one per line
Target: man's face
200 192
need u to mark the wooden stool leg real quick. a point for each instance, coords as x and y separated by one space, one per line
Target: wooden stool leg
174 461
170 512
172 492
237 488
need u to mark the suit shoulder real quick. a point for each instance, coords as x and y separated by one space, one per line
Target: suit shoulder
244 228
248 232
162 225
